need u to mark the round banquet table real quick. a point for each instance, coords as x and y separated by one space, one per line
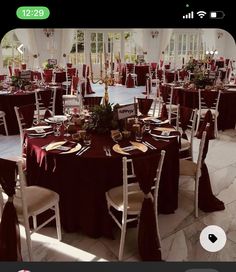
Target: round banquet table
9 101
82 181
227 105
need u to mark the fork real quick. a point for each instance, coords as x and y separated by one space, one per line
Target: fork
106 151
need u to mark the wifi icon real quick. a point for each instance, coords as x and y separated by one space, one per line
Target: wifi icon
201 13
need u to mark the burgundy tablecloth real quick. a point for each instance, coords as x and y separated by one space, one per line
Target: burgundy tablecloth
227 106
9 101
82 181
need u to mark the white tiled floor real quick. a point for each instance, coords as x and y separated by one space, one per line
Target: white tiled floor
179 231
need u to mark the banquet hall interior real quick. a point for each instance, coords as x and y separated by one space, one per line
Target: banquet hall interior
79 106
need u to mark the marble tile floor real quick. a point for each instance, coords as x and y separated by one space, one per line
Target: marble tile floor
179 231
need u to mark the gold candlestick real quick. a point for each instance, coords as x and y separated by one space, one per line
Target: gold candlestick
107 80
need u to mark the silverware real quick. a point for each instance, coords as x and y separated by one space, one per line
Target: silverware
80 150
105 150
160 139
109 151
85 149
150 145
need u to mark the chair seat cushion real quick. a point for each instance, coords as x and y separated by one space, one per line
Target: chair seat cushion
213 112
173 107
115 197
185 144
37 199
187 168
69 96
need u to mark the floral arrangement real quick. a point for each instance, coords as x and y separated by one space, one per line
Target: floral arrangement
201 79
102 119
191 65
19 82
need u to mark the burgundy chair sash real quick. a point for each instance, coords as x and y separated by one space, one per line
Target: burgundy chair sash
164 113
92 101
26 112
84 70
148 242
69 65
207 119
129 81
209 97
207 201
60 77
10 246
144 105
184 118
165 93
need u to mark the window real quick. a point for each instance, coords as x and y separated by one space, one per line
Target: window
130 47
77 52
114 44
10 54
183 46
97 43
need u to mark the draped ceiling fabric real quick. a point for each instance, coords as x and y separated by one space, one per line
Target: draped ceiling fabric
27 37
164 40
67 38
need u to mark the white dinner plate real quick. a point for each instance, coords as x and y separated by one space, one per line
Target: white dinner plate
56 118
56 145
38 127
163 136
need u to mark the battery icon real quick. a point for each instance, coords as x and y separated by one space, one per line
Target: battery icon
217 14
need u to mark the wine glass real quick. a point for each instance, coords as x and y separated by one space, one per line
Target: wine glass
67 124
20 84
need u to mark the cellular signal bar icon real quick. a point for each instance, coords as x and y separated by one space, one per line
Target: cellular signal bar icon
189 15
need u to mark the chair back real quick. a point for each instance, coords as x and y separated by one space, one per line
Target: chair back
60 77
24 116
45 103
92 101
143 105
130 68
208 99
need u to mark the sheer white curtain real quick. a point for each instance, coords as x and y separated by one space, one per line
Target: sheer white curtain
1 60
164 41
27 37
67 39
209 39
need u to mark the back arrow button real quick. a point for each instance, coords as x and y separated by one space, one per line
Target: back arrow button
19 48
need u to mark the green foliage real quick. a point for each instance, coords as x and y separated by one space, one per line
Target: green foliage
201 80
102 119
19 82
49 66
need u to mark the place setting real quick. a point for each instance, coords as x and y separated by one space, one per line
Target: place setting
39 131
127 145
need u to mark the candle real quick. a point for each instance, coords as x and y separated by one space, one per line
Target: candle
91 67
101 64
112 56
